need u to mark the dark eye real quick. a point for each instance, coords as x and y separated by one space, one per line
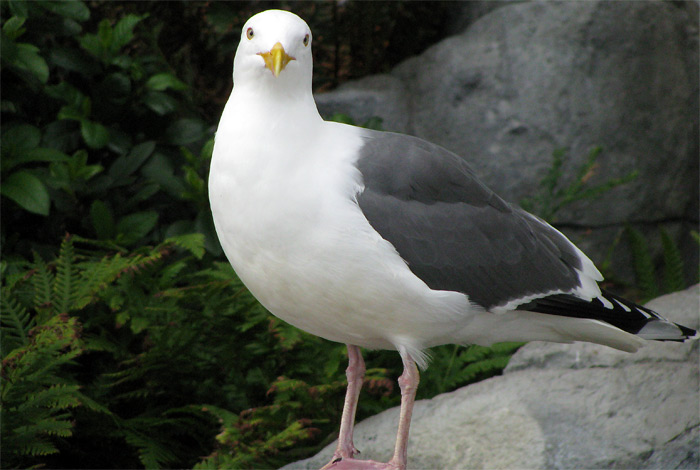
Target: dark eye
249 33
306 40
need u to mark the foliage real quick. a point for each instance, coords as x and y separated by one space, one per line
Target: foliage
650 283
49 315
552 197
92 129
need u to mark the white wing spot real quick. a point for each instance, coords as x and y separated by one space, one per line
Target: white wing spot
625 307
606 303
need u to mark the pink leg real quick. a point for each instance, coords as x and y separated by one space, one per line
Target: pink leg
355 374
408 382
343 456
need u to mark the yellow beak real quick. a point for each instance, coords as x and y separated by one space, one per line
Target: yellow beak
277 59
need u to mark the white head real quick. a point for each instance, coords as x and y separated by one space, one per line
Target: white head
274 53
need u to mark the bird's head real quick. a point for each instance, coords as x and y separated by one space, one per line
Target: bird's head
275 46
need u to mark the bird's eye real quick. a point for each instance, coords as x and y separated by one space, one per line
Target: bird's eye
306 40
249 33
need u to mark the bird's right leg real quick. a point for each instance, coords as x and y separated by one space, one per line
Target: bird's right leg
355 374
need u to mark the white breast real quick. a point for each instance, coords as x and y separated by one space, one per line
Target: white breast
288 223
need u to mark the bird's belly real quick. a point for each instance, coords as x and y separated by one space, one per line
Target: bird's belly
314 261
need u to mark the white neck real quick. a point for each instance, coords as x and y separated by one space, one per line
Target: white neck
274 108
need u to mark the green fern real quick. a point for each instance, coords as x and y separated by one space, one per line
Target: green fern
66 282
40 339
645 269
551 198
674 277
643 263
42 283
35 397
192 242
15 323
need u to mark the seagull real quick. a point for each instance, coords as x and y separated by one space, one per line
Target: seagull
385 241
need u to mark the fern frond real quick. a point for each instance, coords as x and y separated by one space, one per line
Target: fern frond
54 426
192 242
643 264
595 191
15 323
42 281
484 367
57 397
66 282
36 446
95 276
151 453
92 405
674 279
45 361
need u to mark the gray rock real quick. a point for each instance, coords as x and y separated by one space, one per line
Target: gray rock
466 13
560 406
528 78
363 98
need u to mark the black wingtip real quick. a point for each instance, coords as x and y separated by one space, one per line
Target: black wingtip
619 312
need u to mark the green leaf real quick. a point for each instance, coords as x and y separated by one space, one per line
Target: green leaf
74 9
66 93
43 154
116 87
205 224
27 191
127 164
136 226
102 220
163 81
91 43
13 27
207 149
39 154
159 170
28 59
185 131
104 34
79 168
70 113
161 103
19 140
95 134
19 8
73 59
124 31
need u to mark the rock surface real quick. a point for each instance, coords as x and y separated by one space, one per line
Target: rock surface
560 406
527 78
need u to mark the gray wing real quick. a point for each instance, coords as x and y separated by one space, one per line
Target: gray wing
455 233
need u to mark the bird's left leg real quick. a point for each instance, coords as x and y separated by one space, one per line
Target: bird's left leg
408 382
